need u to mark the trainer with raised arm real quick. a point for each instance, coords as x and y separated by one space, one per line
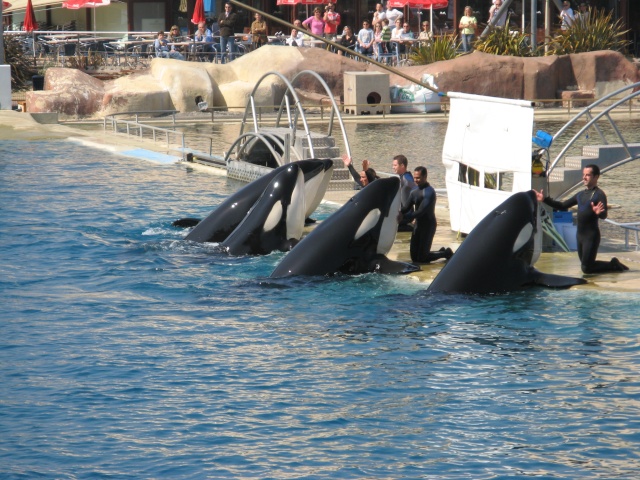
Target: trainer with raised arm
592 206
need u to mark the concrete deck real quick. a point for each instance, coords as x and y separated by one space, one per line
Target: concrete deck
14 125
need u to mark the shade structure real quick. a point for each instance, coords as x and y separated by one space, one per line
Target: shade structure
424 4
5 4
198 13
302 2
76 4
29 24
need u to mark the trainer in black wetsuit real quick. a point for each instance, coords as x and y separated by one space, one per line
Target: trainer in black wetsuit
363 178
592 205
421 208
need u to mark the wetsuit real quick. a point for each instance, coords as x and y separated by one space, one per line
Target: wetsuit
423 198
588 236
407 185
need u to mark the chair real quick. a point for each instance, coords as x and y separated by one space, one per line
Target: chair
65 51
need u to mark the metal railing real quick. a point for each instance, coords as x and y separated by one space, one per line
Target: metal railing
633 227
134 127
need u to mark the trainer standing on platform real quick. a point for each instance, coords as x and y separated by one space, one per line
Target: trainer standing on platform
592 205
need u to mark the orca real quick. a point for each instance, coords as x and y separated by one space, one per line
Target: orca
275 221
222 221
499 253
353 240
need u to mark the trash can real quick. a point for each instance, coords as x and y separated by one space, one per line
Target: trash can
38 82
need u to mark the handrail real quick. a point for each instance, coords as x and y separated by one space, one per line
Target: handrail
593 122
141 127
285 106
261 136
141 112
633 226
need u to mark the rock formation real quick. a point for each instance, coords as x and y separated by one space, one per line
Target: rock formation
173 84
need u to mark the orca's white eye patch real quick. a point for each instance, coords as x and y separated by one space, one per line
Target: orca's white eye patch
274 217
368 223
523 237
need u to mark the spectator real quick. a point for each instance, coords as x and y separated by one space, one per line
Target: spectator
227 23
174 37
365 39
425 36
296 39
583 14
204 37
493 11
331 21
386 36
566 15
315 24
421 209
401 36
378 15
258 32
468 26
377 41
348 39
392 15
163 50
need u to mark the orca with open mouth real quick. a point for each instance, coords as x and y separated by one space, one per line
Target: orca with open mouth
222 221
276 220
353 240
499 253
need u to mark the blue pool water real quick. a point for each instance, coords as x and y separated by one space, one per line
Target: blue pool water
127 353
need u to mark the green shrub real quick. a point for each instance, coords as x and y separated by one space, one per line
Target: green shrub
502 41
22 68
441 48
599 32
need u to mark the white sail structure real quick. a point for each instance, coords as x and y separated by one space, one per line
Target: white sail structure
487 155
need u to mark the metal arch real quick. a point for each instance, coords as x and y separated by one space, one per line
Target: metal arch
264 138
251 103
593 122
604 170
334 110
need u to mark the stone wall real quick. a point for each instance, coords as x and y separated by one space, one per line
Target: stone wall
174 84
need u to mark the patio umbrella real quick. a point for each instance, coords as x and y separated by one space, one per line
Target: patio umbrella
421 4
77 4
29 23
5 4
198 13
303 2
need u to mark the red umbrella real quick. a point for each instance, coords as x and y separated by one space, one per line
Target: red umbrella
76 4
198 13
5 4
30 23
430 4
303 2
435 4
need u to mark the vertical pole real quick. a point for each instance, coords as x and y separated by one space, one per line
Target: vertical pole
534 25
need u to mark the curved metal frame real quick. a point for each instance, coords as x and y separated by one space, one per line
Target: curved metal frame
593 122
285 106
265 139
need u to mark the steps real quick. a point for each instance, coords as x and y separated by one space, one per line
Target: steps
563 178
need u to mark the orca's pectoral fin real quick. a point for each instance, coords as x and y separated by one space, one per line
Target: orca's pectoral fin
381 264
556 281
186 222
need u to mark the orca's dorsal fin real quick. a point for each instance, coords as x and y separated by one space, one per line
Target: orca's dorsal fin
550 280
